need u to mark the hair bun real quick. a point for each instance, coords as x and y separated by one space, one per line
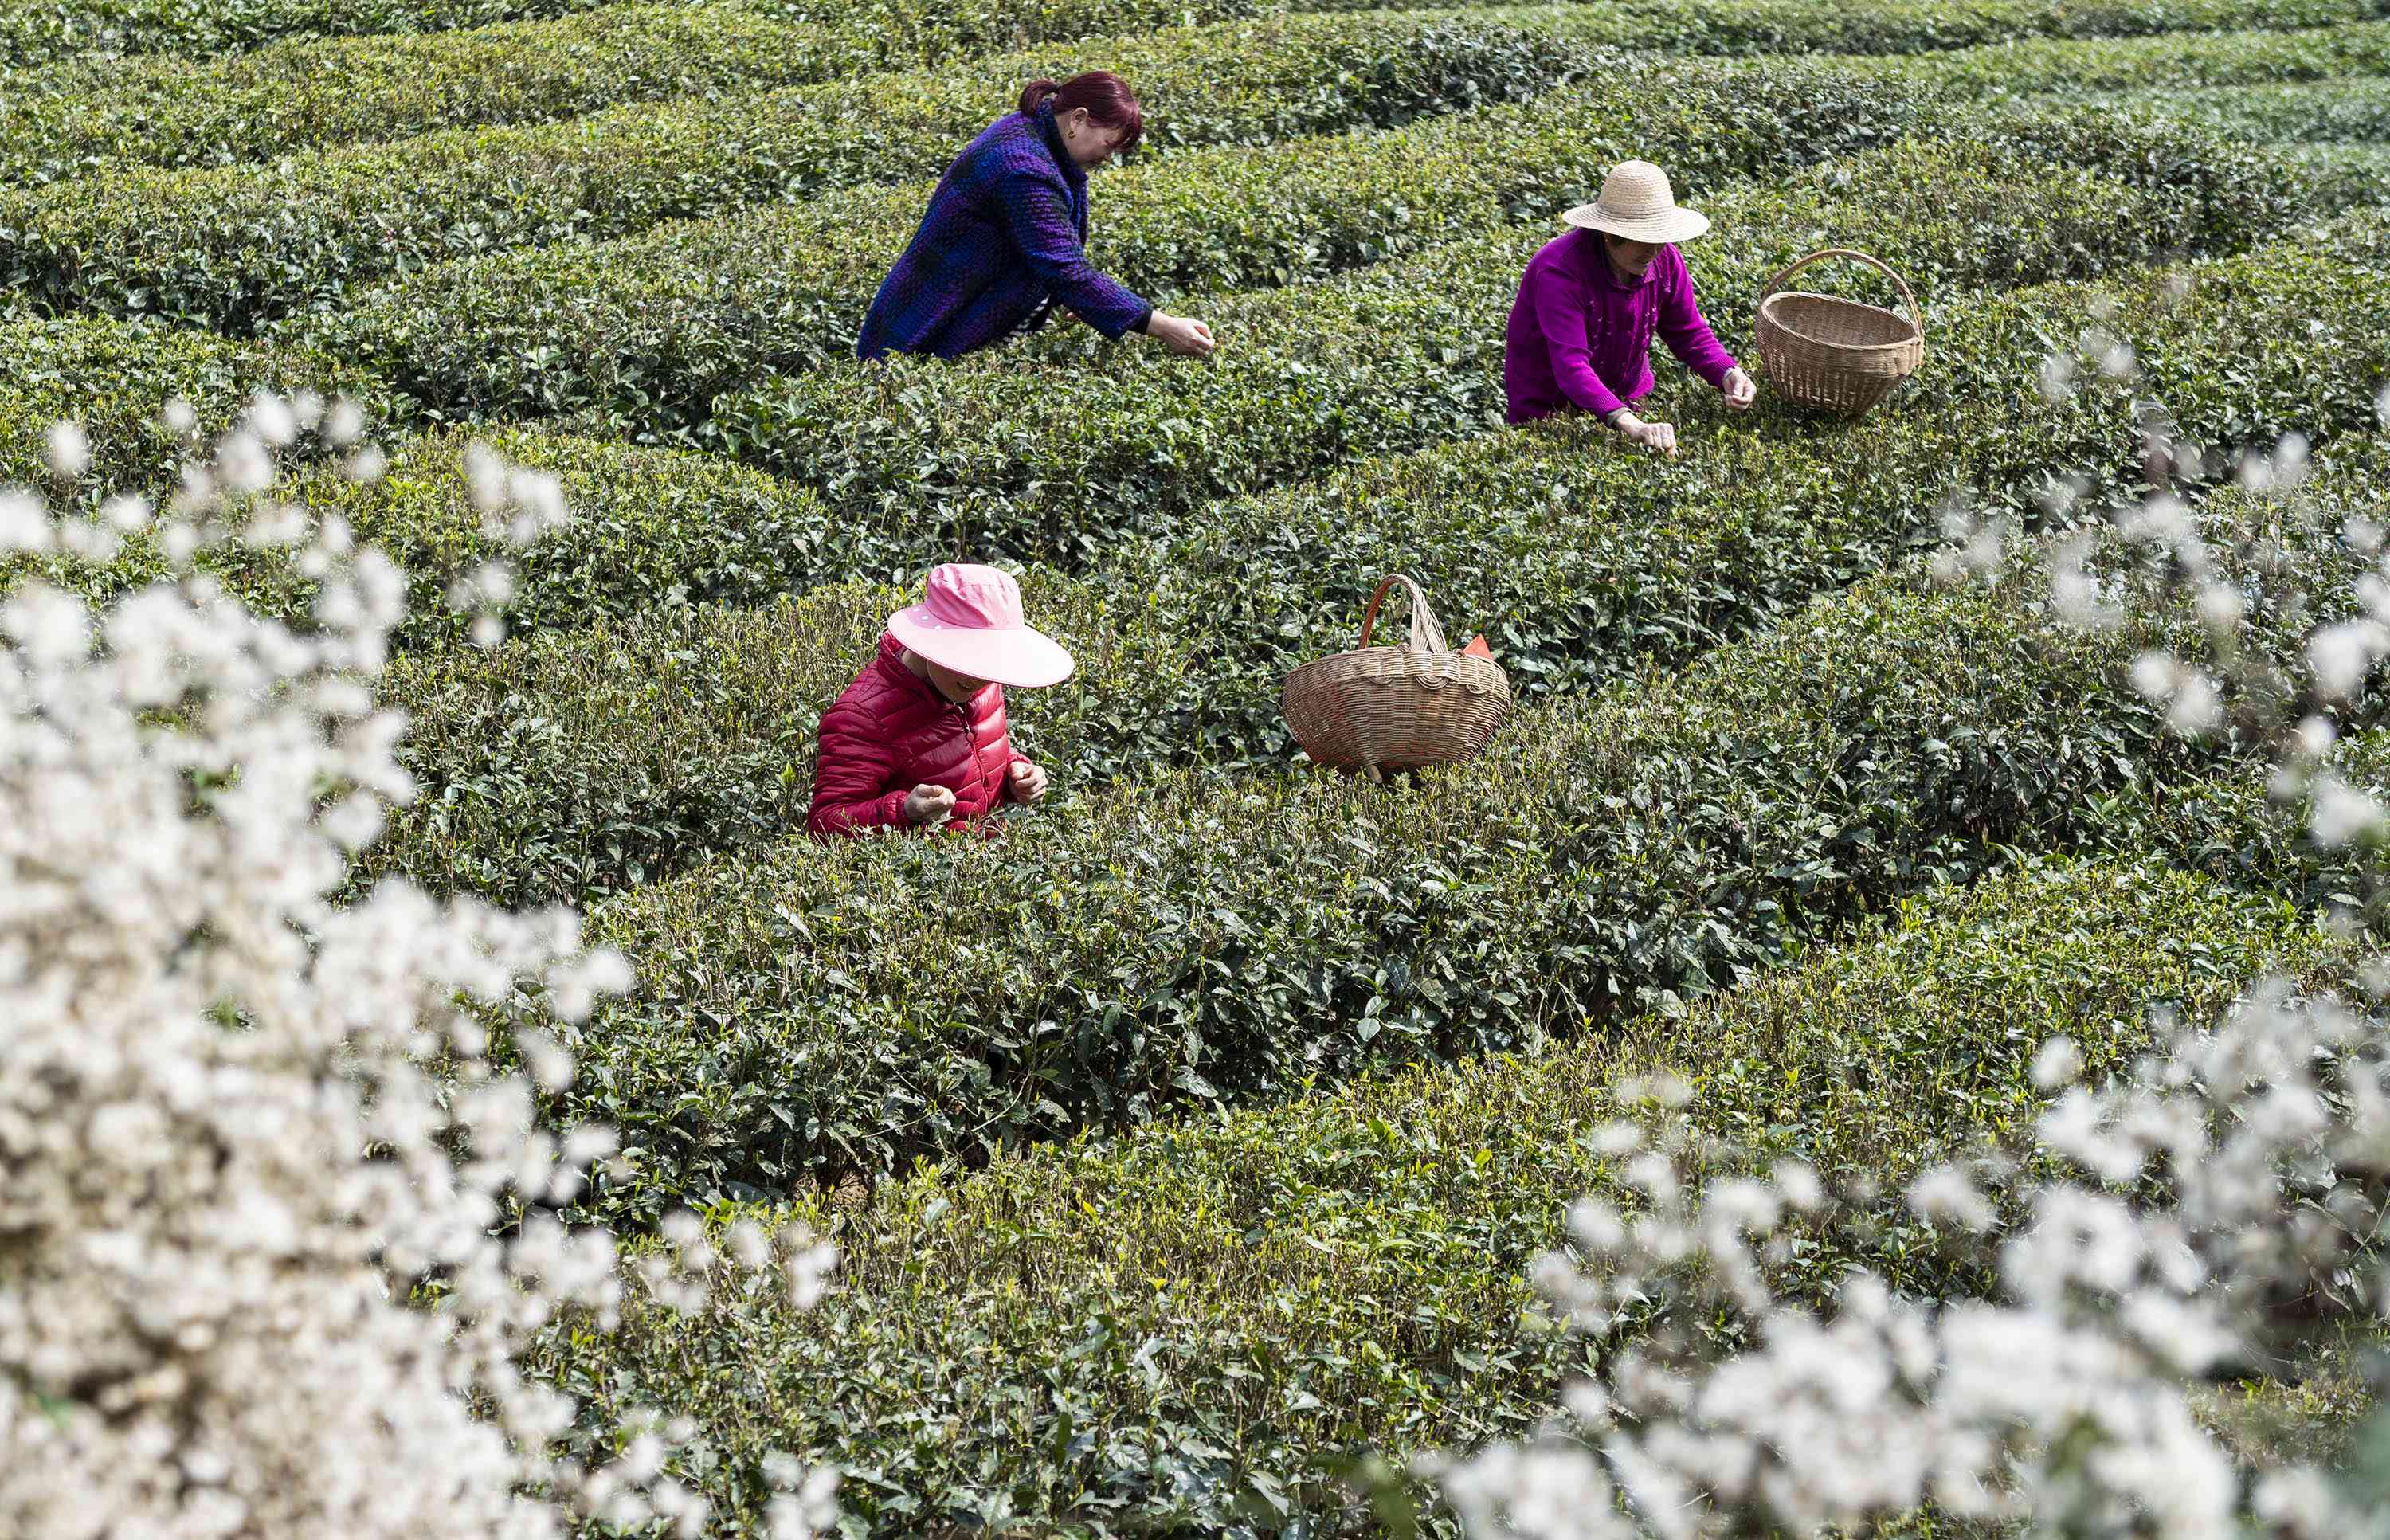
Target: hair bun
1105 97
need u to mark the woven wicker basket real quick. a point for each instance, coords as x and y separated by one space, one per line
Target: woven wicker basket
1836 356
1380 709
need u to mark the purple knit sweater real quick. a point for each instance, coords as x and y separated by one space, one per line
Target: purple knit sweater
1580 337
1004 242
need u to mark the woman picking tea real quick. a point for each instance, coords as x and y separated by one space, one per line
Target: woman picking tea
1593 299
1005 238
918 740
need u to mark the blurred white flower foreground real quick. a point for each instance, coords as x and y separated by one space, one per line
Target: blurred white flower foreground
2175 1226
2234 1173
253 1165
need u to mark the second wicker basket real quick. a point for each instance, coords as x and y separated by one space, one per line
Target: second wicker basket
1835 354
1395 708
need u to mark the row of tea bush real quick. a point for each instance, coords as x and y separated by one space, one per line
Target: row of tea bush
89 121
1207 1317
806 1011
2348 110
310 93
36 32
642 334
227 247
116 382
571 764
111 376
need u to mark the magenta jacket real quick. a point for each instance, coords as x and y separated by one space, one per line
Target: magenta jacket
1580 337
891 732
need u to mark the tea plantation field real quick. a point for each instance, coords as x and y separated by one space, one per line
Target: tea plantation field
1189 1147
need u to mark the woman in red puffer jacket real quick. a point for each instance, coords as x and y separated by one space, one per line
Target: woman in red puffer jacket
918 740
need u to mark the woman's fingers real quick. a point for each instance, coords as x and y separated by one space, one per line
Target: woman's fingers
930 803
1192 337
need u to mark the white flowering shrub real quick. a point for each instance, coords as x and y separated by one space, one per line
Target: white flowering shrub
2198 1218
271 1223
2236 1173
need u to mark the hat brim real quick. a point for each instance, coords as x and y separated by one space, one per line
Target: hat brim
1022 658
1663 229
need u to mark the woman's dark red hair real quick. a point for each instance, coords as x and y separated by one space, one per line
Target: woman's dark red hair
1109 103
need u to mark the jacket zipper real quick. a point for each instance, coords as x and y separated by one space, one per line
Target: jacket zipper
970 745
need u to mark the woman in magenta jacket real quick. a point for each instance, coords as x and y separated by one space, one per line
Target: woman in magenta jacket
918 741
1593 299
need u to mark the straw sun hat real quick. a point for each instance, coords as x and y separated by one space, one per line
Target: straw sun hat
1638 204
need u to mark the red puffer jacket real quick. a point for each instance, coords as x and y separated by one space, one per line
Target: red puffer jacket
892 731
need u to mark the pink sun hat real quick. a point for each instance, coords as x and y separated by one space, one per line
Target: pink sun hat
969 621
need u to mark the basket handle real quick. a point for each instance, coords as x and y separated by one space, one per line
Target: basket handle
1423 622
1778 282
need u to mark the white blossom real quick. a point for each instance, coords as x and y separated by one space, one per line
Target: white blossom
2221 609
66 451
215 1228
2339 813
272 419
2061 1405
2057 1063
1947 1195
2056 378
2077 598
25 523
344 423
2340 656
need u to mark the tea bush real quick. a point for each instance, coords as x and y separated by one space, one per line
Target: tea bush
2342 110
44 29
2032 65
114 382
2349 172
227 248
641 335
1806 26
2236 829
651 531
62 123
995 452
1184 941
38 31
570 765
1206 1317
310 94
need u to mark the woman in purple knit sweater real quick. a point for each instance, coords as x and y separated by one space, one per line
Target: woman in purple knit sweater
1003 243
1593 299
